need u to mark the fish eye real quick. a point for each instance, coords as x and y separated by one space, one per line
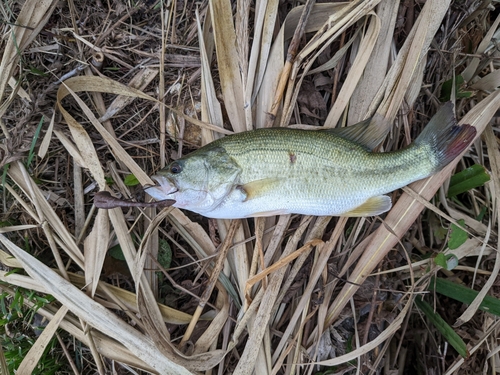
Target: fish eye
175 168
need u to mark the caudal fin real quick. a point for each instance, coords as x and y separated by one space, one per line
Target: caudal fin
444 138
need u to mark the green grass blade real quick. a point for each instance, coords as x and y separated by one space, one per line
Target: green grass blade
446 330
447 88
131 180
465 295
31 154
468 179
457 236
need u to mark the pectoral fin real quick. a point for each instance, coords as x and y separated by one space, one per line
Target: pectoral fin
373 206
258 188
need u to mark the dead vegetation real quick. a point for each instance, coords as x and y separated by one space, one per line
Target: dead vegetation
93 92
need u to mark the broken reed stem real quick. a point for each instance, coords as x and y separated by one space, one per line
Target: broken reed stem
290 59
271 116
364 358
257 253
258 243
337 73
219 265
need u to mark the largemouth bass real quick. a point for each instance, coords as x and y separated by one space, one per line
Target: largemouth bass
277 171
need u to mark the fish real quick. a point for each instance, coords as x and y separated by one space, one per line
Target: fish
330 172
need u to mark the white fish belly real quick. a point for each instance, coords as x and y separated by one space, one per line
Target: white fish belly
280 204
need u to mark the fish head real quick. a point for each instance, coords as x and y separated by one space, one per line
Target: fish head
198 182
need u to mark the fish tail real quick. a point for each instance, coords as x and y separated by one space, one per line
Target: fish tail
444 138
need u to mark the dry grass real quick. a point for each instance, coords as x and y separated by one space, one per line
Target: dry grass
119 89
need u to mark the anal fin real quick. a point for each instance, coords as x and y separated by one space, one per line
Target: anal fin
372 207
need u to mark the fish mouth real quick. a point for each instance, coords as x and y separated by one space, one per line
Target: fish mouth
162 190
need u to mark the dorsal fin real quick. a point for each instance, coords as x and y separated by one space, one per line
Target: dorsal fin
365 133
